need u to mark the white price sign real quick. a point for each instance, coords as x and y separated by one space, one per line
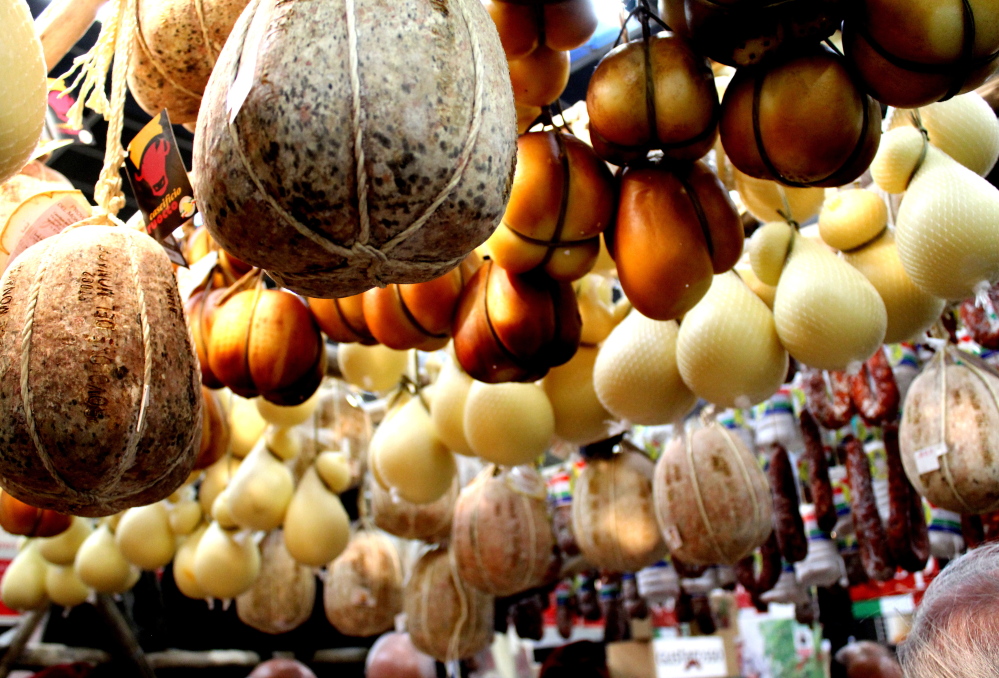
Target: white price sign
702 657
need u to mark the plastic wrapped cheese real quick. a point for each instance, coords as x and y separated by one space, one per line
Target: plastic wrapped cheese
22 87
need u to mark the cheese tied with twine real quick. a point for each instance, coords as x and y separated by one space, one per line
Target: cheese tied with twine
100 402
364 167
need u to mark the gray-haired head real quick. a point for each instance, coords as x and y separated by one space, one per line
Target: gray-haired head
956 630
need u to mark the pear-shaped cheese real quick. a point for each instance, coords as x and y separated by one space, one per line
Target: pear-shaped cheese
409 456
580 418
287 416
64 587
100 564
768 251
245 422
316 526
910 310
183 565
372 368
763 200
260 490
217 477
635 375
226 562
22 87
23 584
508 424
964 127
145 538
61 549
185 516
447 408
852 218
827 314
727 349
946 225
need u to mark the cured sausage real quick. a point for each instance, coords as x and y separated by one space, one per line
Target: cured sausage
818 474
908 537
788 525
982 328
772 565
878 405
871 538
832 410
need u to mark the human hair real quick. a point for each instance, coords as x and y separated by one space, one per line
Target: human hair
955 633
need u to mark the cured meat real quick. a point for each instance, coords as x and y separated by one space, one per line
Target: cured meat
818 474
874 391
790 528
908 537
871 538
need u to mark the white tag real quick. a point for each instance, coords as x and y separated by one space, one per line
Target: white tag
243 83
700 657
190 279
672 537
928 458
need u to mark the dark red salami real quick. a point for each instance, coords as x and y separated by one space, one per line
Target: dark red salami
871 538
874 391
818 474
788 525
908 538
832 407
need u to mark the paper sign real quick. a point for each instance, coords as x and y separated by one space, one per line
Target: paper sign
701 657
61 214
160 183
928 458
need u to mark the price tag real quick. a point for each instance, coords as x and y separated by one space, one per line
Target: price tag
928 458
672 537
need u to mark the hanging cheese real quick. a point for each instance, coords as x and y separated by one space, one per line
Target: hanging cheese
22 88
175 47
426 522
712 498
363 590
827 314
447 619
636 376
316 525
949 434
407 454
144 536
447 407
369 166
282 597
613 518
580 418
226 562
502 537
102 401
100 564
965 128
856 221
23 584
945 226
508 424
727 350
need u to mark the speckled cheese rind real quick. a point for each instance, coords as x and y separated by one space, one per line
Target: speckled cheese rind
295 131
171 53
85 364
284 593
